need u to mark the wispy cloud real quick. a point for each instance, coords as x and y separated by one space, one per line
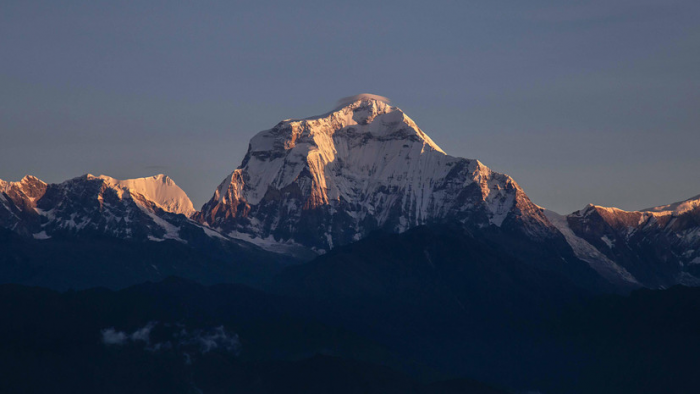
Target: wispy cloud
110 336
143 334
363 96
191 342
208 340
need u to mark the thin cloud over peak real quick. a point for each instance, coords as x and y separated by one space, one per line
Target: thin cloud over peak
362 96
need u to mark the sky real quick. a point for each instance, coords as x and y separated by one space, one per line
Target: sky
580 102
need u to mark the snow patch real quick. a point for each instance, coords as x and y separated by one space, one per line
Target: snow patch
270 244
608 241
588 253
171 231
211 233
159 189
677 207
41 235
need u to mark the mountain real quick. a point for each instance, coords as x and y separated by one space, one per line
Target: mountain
143 208
308 186
99 231
18 200
159 189
421 267
655 247
332 179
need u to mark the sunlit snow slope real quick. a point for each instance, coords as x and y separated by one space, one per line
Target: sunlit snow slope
658 246
143 208
332 179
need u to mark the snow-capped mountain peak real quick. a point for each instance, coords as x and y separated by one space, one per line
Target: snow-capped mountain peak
331 179
29 185
677 207
659 246
22 194
159 189
142 208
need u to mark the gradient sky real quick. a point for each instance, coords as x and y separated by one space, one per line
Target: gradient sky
580 103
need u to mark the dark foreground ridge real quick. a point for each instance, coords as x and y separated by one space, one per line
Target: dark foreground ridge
177 336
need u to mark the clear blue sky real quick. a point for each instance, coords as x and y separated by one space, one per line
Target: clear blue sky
581 102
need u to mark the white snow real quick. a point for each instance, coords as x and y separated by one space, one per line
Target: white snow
607 241
5 185
269 243
153 196
211 233
171 231
41 235
677 207
48 214
588 253
159 189
368 155
364 154
21 186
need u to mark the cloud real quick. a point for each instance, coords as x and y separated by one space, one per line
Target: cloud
364 96
167 345
216 338
112 337
143 334
198 341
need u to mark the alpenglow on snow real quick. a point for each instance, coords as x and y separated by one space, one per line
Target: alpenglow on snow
332 179
149 208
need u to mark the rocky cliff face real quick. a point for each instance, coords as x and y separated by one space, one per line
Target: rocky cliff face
151 208
332 179
18 200
659 246
309 185
99 231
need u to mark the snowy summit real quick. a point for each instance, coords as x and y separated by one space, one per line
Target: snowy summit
159 189
331 179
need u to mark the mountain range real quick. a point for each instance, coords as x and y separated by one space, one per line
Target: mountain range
348 253
307 186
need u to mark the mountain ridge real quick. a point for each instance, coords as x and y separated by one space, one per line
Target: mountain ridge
363 167
309 185
132 208
658 247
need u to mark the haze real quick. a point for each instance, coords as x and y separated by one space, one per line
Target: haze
594 103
